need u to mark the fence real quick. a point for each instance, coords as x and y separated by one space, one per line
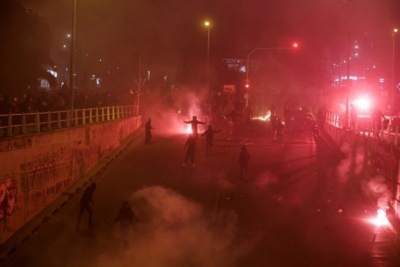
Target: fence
364 127
27 123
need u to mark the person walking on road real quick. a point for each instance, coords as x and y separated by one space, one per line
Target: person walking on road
85 204
244 158
148 129
190 147
194 122
209 133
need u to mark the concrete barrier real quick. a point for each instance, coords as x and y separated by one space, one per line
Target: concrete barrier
36 169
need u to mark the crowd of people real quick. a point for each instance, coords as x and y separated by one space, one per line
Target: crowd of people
54 100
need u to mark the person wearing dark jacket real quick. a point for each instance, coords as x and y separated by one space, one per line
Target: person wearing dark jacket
190 147
148 129
232 118
279 132
194 122
244 158
126 219
209 133
85 202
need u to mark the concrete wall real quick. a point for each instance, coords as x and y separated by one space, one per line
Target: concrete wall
36 169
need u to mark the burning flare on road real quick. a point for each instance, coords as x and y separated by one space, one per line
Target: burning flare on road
380 219
263 118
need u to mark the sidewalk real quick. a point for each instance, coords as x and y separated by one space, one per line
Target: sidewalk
386 241
34 225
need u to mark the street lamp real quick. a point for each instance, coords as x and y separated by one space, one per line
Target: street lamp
394 70
295 45
208 25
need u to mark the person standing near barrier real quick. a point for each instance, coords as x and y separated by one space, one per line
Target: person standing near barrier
85 204
148 129
376 116
353 117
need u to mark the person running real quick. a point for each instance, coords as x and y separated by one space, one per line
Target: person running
190 147
209 133
194 122
85 202
148 129
244 158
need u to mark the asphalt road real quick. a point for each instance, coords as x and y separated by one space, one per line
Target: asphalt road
300 206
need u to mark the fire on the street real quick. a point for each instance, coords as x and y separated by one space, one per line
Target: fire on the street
380 219
263 118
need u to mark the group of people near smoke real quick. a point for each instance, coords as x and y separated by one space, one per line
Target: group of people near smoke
126 218
190 144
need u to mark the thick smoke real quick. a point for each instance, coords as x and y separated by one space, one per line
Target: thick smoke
378 188
176 231
168 111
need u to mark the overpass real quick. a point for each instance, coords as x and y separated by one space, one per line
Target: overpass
43 154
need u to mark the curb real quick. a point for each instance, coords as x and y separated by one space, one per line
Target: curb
65 197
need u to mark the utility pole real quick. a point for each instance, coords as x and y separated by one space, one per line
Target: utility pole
72 59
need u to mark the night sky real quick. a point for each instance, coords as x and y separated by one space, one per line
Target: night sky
172 30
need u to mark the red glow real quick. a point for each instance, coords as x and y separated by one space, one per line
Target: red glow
381 219
264 118
295 45
189 129
362 103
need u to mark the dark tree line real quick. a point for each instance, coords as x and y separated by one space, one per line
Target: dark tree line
24 48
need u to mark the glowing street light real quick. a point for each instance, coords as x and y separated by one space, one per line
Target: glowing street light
394 95
294 46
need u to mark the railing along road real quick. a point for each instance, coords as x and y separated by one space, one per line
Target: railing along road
28 123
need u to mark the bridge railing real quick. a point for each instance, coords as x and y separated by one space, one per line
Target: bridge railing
365 127
27 123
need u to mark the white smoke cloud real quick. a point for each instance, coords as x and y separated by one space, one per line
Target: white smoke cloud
378 188
175 231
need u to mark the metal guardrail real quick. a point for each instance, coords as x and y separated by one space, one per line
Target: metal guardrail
27 123
366 128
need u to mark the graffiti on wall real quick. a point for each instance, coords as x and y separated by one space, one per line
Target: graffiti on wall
43 169
41 197
85 159
8 199
15 143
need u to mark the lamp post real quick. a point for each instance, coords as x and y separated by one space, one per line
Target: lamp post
394 71
72 59
295 45
208 25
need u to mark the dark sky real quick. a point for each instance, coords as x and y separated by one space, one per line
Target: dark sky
172 28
